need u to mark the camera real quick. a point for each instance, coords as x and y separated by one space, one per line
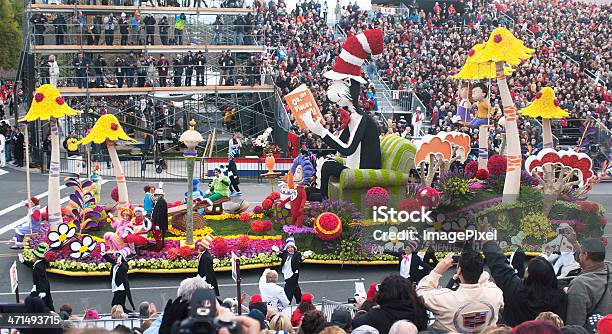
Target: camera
352 301
202 313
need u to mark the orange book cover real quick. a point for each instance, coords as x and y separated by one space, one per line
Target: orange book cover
301 101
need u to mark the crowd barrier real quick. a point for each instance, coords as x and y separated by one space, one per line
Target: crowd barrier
138 167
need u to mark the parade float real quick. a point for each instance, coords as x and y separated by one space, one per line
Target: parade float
525 199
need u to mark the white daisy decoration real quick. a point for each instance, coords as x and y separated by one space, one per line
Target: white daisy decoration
60 237
83 248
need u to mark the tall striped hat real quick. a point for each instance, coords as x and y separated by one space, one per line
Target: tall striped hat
355 51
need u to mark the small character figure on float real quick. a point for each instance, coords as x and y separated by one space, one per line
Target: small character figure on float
198 195
219 187
97 184
301 172
137 230
114 240
36 220
483 106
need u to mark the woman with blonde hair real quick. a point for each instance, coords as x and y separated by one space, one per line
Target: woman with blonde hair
279 322
117 312
552 317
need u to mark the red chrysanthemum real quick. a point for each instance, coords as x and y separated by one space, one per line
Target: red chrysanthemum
538 95
410 205
39 97
243 242
482 174
267 225
603 221
114 126
173 253
267 204
219 247
257 209
497 38
274 195
471 168
59 100
377 196
245 216
328 226
471 52
185 252
257 226
497 165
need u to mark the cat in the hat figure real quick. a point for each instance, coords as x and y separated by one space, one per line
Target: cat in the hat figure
359 141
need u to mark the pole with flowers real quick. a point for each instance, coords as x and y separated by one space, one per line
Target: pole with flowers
191 138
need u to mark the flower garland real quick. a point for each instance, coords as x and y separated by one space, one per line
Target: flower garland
201 232
225 216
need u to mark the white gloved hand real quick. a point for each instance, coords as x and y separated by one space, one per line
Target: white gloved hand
313 125
307 253
42 295
275 249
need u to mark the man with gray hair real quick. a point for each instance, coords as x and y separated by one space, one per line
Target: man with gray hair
272 293
189 285
403 327
177 310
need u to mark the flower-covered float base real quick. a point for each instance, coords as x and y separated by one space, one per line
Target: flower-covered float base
337 233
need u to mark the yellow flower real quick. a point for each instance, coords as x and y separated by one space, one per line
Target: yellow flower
545 105
472 70
48 103
107 127
503 46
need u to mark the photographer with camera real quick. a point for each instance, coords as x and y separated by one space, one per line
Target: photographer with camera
476 302
196 310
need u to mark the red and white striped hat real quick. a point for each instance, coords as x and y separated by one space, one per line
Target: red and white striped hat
355 51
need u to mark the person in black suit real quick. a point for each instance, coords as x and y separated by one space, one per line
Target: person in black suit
120 286
205 263
410 264
41 287
290 267
160 216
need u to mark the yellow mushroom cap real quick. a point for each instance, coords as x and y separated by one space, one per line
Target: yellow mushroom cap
472 70
48 103
544 105
503 46
107 127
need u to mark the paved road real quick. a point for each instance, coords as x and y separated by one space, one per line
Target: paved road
335 283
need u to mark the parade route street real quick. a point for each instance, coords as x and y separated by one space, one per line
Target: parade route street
332 282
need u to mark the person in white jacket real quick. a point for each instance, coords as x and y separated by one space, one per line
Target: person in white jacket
2 147
473 306
272 293
53 71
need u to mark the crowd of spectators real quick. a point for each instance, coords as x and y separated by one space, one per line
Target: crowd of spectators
423 51
527 298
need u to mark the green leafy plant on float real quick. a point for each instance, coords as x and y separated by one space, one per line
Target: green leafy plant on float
536 226
455 188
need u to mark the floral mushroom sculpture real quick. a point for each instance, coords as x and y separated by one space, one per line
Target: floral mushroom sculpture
500 49
545 105
108 130
48 104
